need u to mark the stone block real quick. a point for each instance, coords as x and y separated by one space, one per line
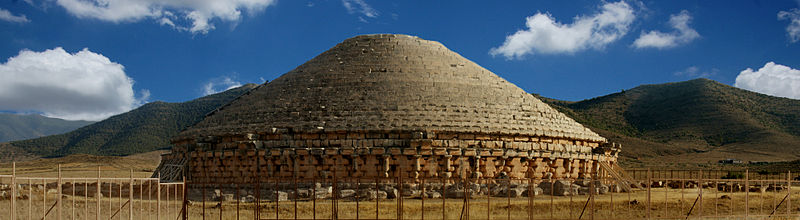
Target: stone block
454 152
369 194
446 136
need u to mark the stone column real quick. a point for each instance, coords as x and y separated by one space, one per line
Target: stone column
386 165
417 166
448 167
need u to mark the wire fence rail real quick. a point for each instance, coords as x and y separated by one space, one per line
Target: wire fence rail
88 197
644 194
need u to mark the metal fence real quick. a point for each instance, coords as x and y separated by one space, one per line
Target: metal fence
95 197
637 194
644 194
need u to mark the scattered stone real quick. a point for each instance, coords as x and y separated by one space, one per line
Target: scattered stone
494 191
227 197
616 188
602 189
391 193
534 192
279 196
775 188
583 182
657 184
512 192
411 192
248 198
347 193
372 194
559 188
758 189
433 194
303 193
323 192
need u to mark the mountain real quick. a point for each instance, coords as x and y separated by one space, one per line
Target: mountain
20 127
696 121
673 124
144 129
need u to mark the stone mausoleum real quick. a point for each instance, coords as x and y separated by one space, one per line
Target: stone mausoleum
386 105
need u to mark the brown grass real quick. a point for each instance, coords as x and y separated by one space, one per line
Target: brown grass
81 165
677 203
543 207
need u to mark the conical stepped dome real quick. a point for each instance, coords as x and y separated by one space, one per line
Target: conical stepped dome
390 82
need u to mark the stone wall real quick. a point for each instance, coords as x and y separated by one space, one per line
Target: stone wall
414 140
412 155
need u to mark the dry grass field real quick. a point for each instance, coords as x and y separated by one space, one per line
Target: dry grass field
542 207
671 204
664 203
82 165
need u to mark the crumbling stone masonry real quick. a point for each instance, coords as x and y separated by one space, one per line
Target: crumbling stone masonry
386 106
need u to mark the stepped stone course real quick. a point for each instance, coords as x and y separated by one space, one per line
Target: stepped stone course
387 105
390 83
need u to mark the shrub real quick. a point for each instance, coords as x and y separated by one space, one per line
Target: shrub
733 175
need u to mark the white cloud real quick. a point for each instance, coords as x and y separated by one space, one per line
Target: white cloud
8 16
220 84
78 86
359 6
199 13
772 79
696 72
683 34
545 35
794 27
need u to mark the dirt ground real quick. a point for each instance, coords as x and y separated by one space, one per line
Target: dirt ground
142 165
664 203
671 204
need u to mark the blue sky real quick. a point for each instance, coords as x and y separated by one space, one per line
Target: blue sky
77 59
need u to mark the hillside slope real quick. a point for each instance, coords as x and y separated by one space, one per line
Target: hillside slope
20 127
693 121
144 129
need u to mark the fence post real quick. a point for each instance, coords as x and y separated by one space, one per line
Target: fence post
531 195
444 200
746 193
489 201
789 188
98 194
73 200
649 182
422 197
130 197
278 198
58 200
591 193
186 200
158 196
44 199
13 189
400 192
700 197
30 197
86 198
377 200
